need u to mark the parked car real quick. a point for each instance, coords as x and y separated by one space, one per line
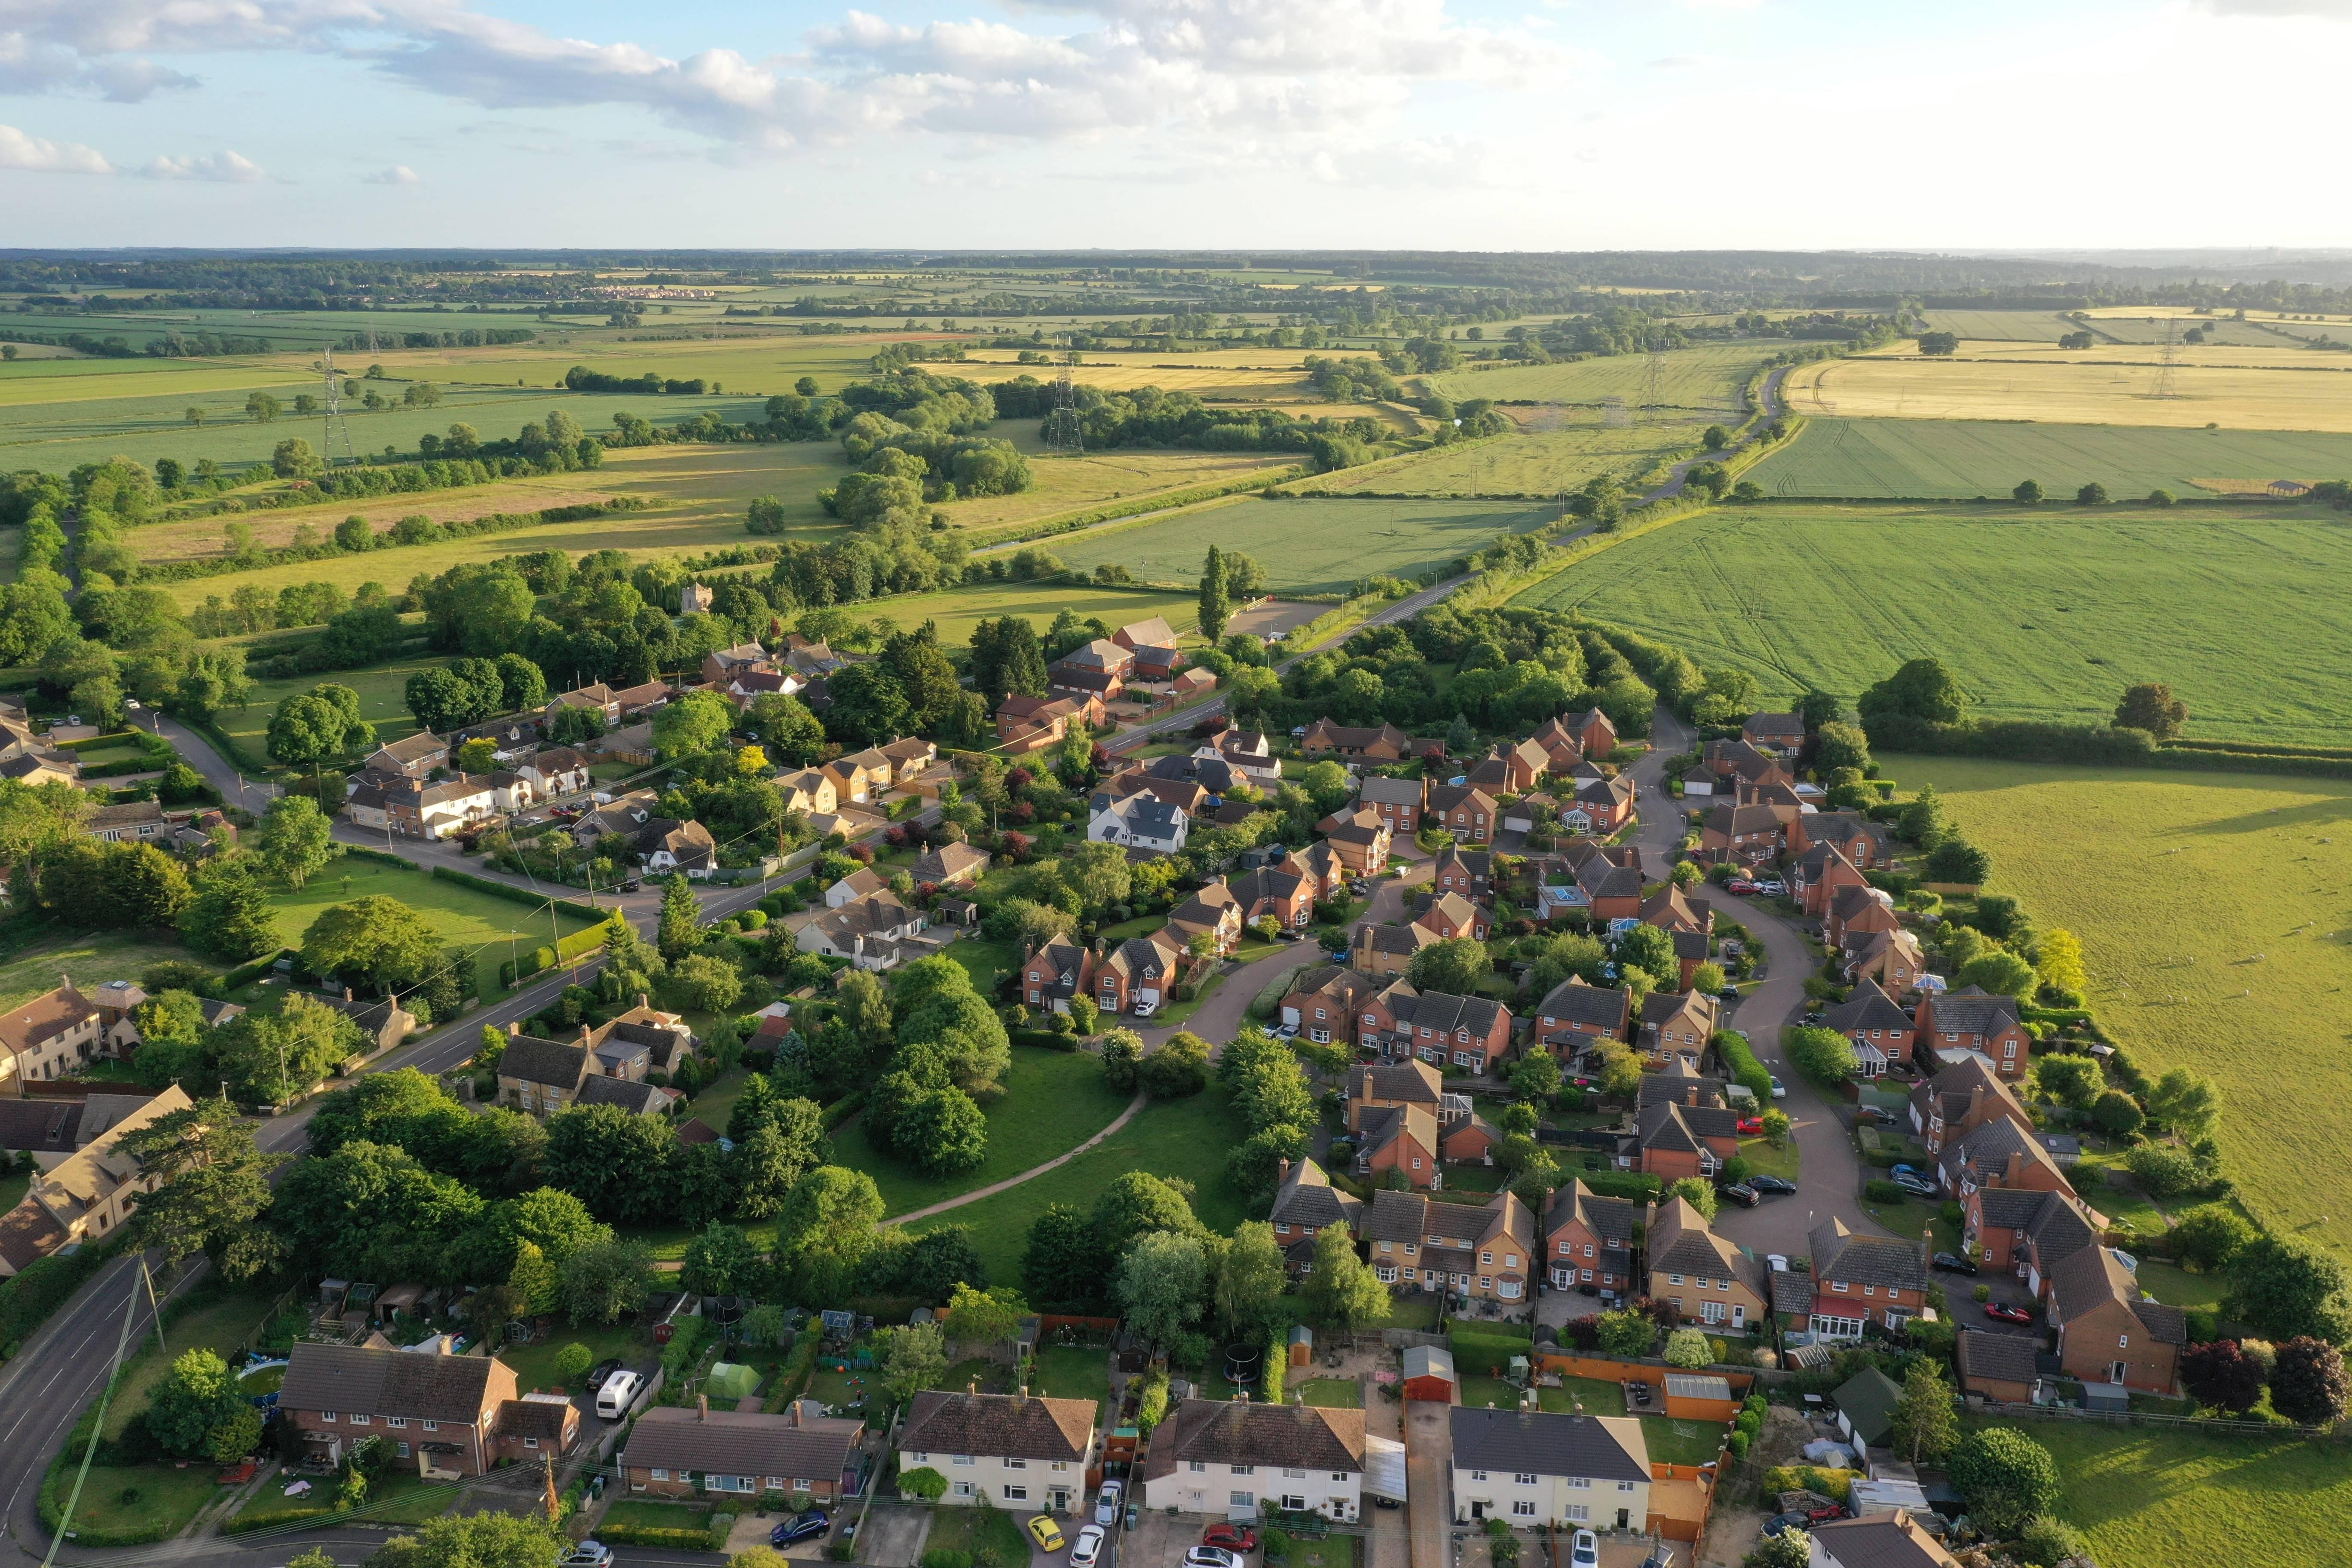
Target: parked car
1901 1171
1211 1557
1741 1194
1820 1512
1740 885
631 886
1232 1537
1287 1032
2001 1311
806 1526
1729 993
1781 1523
1774 889
1871 1113
1585 1551
1779 1091
1145 1008
1087 1550
1106 1502
1953 1263
1750 1126
603 1371
588 1554
1773 1186
1917 1186
1045 1532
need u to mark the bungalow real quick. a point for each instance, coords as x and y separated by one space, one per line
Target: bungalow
865 882
1305 1203
1359 837
1381 743
2106 1332
1056 973
439 1412
1573 1016
639 702
1589 1240
1139 973
1138 821
950 866
413 755
1706 1279
1465 811
748 686
1016 1451
1484 1252
674 1451
1892 1540
127 822
1398 800
873 934
1232 1458
1972 1020
1324 1002
596 699
1864 1279
1546 1469
1882 1033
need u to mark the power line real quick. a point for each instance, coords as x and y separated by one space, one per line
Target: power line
2165 390
1065 437
331 418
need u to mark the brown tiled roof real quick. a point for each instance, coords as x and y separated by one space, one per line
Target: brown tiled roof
540 1418
533 1060
45 1018
1575 1001
2006 1357
1842 1255
1395 1217
744 1443
1411 1081
999 1425
1228 1432
389 1383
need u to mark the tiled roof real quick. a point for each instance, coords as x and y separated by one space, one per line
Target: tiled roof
1395 1217
1574 1001
2006 1357
742 1443
1595 1448
1415 1082
1288 1437
1867 1007
1973 1011
1681 1243
636 1099
345 1378
1445 1013
999 1425
1307 1197
1840 1254
530 1060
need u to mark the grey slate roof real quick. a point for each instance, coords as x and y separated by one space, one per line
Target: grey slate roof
1974 1011
2006 1357
636 1099
1884 1260
1598 1448
1446 1012
1395 1217
533 1060
1867 1007
1574 1001
345 1378
1307 1197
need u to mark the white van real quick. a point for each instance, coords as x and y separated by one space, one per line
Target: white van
620 1391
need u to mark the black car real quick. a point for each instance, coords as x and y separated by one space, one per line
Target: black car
604 1369
1772 1186
1917 1186
1740 1193
631 886
808 1526
1780 1524
1953 1263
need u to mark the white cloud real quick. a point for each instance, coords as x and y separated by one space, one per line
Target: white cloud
41 156
221 168
1676 62
398 175
2330 10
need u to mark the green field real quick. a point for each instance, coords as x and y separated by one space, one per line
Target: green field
2002 326
383 702
2151 330
2158 1497
1186 1137
2044 613
1310 546
86 960
1708 377
1966 459
1055 1101
1535 462
2175 882
461 917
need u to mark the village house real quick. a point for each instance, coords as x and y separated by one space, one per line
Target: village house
1819 873
1141 821
1972 1020
1056 973
1574 1015
1687 1136
724 665
1284 893
1468 872
1859 1279
1538 1469
2000 1153
1465 811
1592 732
1601 806
542 1077
1706 1279
1483 1252
676 1452
2025 1232
1398 800
1139 972
1961 1097
1137 636
535 1425
1405 1138
875 933
1781 731
86 1195
415 755
2106 1332
666 845
1469 1032
437 1413
748 686
910 757
860 776
405 809
1306 1205
1360 838
1891 960
1589 1240
1324 1002
1678 1023
1381 744
1230 1457
1883 1034
810 792
1746 836
1451 916
1587 881
1387 950
1562 751
1017 1451
950 866
865 882
51 1036
1864 845
1097 668
127 822
1212 912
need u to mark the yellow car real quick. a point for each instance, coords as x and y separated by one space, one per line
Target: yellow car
1045 1532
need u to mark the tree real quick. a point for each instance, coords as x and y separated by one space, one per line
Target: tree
1922 818
943 1132
2046 1541
787 729
680 930
698 721
2221 1377
1160 1285
773 1156
2186 1103
2058 960
720 1260
869 706
2092 494
826 1226
1455 967
315 725
476 1541
2070 1080
2308 1383
2117 1114
1177 1068
2028 491
1650 952
572 1363
1923 690
2286 1287
1789 1549
2000 972
1927 1421
1839 745
295 840
374 941
2152 707
1958 863
1536 1075
701 982
1250 1278
1822 1055
260 407
1122 1054
1695 1190
192 1403
1687 1348
2005 1476
1215 607
1137 1202
2210 1237
1063 1263
212 1183
601 1282
230 917
913 1358
1627 1333
1342 1291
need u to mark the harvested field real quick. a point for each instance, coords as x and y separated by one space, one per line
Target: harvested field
2043 612
1962 458
2089 388
1535 461
1310 546
2002 326
1708 377
1066 484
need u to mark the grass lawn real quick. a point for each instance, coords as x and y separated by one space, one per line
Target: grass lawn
1768 1160
88 960
2042 613
1597 1397
1488 1393
384 701
843 1388
1332 1393
221 1324
1072 1371
659 1515
716 1102
1411 1312
985 962
127 1504
13 1188
1053 1101
1187 1138
965 1529
2160 1497
460 915
2176 1287
2118 1197
2105 854
534 1363
1673 1442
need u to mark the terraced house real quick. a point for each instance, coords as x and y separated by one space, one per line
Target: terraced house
1534 1468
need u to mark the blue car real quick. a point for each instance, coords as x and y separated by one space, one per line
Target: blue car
1912 1171
807 1527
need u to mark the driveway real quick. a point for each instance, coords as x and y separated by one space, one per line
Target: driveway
893 1535
1428 1480
1830 1173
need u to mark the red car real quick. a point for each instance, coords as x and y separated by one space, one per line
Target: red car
1820 1512
1750 1126
2007 1314
1741 885
1232 1537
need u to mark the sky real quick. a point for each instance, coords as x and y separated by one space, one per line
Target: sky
1443 124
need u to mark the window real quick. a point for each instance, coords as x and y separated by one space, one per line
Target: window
658 1475
1198 1466
395 1420
1524 1510
432 1426
326 1416
961 1459
404 1450
358 1420
1588 1250
1580 1513
1016 1464
1245 1470
1241 1500
1015 1494
1579 1483
1624 1485
1523 1479
527 1442
1291 1475
963 1488
1477 1475
1061 1466
2122 1342
1673 1279
1488 1258
1295 1502
922 1459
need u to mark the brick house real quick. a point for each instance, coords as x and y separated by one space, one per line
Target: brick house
1972 1019
1282 892
1678 1023
1891 960
1687 1136
1399 802
1403 1137
1745 834
1381 744
1056 973
1098 668
1706 1279
1452 916
1562 751
1999 1367
1589 1239
1323 1000
534 1426
1306 1205
2107 1334
1588 880
1388 950
1229 1457
677 1452
443 1408
1856 911
1781 731
85 1195
1469 872
1212 911
1883 1034
950 866
1360 838
1818 873
1032 723
1465 811
2010 1229
1141 969
413 755
1473 1032
2000 1153
1601 806
1865 845
1574 1015
1385 1086
1592 732
1959 1099
1482 1251
1864 1279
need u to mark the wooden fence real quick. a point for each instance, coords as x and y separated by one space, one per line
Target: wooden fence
2156 1417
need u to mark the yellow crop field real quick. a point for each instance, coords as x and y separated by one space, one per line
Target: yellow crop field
83 380
1534 462
2271 352
2076 392
1203 380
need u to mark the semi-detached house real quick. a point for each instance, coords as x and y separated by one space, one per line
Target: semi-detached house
674 1451
1536 1468
441 1408
1007 1450
1231 1458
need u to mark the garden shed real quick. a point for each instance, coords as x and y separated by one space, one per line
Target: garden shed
1694 1397
1302 1345
1429 1374
1865 1406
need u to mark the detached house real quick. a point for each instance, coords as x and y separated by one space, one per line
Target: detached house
1465 811
1140 969
413 755
1678 1023
1883 1034
1469 872
1097 668
1589 1240
1857 911
2106 1332
1864 1279
1009 1450
50 1035
1593 733
1961 1097
1540 1469
950 866
1056 973
86 1195
1864 845
1685 1137
1818 874
1471 1032
1283 892
1475 1251
1452 917
1745 834
873 934
1601 806
1972 1020
1781 731
1213 912
1325 1001
1562 751
1573 1016
1890 959
1388 950
1398 800
1138 822
1707 1279
2026 1232
1230 1457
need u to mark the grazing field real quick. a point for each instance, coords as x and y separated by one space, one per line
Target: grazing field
2307 391
1055 1100
2043 612
461 916
1535 461
2159 1497
2002 326
1091 479
1707 377
2176 882
383 702
41 381
85 960
1961 459
1310 546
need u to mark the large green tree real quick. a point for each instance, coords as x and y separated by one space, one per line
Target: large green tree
211 1180
1342 1293
1160 1283
374 941
2005 1476
295 839
1215 607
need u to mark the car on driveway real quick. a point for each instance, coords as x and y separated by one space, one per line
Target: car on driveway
1087 1550
1045 1532
1907 1171
1211 1557
1953 1263
1741 1194
1772 1186
603 1368
1916 1187
1775 889
1780 1524
2001 1311
1584 1551
1740 885
1750 1126
1232 1537
1107 1503
588 1554
807 1527
1145 1008
1729 993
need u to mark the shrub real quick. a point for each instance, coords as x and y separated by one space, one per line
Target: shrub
1822 1055
2163 1170
2005 1476
1879 1191
2045 1542
1686 1348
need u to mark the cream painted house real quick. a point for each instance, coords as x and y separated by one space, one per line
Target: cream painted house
1227 1458
1535 1469
1009 1450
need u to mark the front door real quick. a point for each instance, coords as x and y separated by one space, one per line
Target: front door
1477 1511
1622 1517
1061 1498
2115 1372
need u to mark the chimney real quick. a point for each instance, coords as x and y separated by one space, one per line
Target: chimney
2014 1174
583 1033
1690 1096
1024 1391
972 1387
643 1001
1242 1396
703 1408
793 1414
514 1030
347 993
1976 1099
